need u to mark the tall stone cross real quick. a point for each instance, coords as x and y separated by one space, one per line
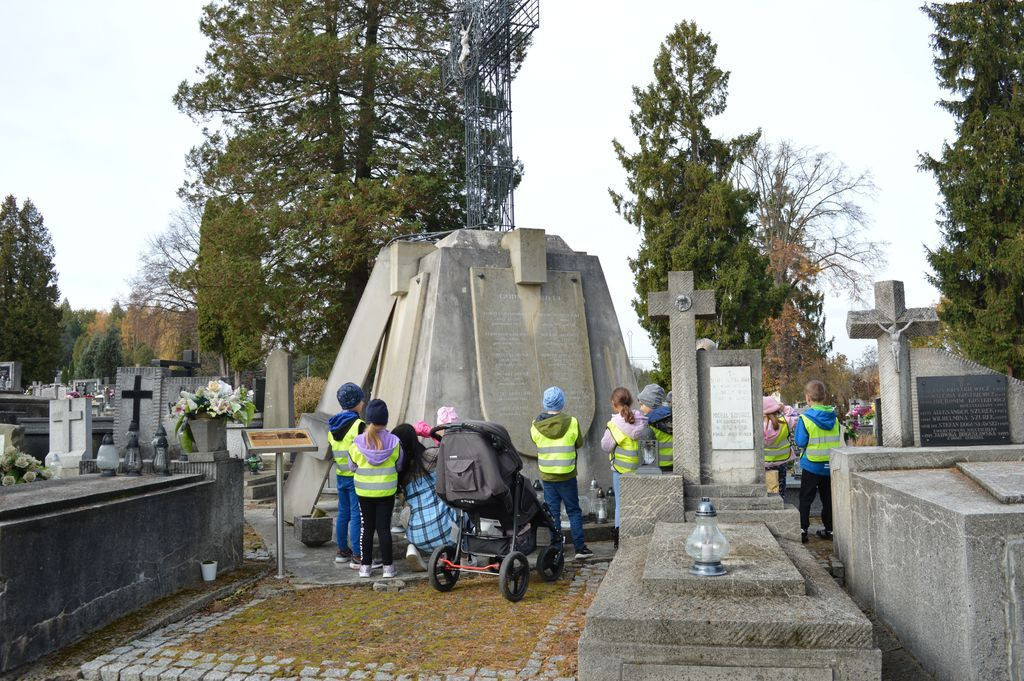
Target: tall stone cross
892 325
136 395
683 306
66 417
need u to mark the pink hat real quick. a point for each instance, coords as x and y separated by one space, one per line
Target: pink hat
446 415
770 405
422 428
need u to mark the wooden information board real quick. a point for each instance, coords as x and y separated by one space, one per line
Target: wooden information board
272 440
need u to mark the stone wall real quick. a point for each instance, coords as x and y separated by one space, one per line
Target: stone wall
935 555
77 554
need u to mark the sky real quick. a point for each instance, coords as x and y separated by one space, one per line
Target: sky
88 130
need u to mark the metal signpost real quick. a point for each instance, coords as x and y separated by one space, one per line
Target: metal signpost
278 441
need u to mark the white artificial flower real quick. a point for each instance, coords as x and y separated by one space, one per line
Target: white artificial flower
7 480
29 477
213 386
22 461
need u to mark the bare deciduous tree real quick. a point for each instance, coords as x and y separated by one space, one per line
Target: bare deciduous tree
166 278
810 222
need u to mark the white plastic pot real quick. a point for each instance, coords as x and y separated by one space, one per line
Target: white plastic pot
209 568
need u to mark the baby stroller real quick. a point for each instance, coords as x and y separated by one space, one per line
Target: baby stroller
478 474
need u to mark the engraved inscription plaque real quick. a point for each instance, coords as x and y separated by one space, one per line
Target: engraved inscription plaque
963 410
528 338
732 418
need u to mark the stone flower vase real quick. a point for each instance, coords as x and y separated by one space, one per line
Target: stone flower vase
209 435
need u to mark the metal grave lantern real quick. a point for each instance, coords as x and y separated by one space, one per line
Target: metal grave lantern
132 454
161 458
706 544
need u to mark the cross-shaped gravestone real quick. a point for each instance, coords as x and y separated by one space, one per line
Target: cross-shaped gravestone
892 324
136 395
65 417
683 306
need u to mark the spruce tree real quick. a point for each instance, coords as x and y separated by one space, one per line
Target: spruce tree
334 134
689 213
979 58
28 292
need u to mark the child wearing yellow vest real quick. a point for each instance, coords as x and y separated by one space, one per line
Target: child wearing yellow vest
816 434
375 459
342 431
621 440
778 440
659 419
557 437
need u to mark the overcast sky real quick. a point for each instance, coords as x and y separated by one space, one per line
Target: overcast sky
89 133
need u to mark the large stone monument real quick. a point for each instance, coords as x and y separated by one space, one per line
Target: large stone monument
10 377
483 321
939 509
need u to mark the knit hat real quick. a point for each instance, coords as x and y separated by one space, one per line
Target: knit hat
770 405
653 396
446 415
350 395
376 413
422 428
554 399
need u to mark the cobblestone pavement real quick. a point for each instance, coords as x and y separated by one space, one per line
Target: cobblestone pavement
164 655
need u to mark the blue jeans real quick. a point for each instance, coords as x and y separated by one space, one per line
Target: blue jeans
348 515
566 492
615 486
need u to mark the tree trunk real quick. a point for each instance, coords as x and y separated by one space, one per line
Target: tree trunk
367 107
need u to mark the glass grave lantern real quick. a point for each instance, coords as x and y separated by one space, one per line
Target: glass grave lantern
601 506
132 453
648 455
706 544
161 457
107 458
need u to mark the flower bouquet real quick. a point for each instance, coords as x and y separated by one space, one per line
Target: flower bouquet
217 401
17 467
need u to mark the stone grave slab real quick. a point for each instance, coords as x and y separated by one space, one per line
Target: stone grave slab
1002 479
756 565
279 400
529 338
632 630
963 410
729 408
71 427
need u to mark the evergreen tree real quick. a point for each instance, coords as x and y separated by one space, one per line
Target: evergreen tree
108 352
334 134
31 332
689 214
977 267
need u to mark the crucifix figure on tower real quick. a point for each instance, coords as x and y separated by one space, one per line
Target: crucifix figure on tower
486 36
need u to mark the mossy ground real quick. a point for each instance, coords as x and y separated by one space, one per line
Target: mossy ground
418 629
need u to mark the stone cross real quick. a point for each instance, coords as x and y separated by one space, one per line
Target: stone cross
892 325
683 306
137 394
65 418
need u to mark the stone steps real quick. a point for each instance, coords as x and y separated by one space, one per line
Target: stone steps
713 491
261 486
765 503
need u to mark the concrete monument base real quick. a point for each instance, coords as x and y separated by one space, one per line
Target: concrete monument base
932 540
775 615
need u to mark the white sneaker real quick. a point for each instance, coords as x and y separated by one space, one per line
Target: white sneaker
389 572
364 571
414 560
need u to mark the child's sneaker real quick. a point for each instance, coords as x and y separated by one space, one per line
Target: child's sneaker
344 556
583 554
389 572
356 562
364 571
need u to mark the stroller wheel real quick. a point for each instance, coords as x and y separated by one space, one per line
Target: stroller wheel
441 577
514 576
551 563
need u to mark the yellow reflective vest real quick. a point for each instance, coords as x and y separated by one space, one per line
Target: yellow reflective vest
625 457
557 456
820 442
779 449
341 447
380 480
664 447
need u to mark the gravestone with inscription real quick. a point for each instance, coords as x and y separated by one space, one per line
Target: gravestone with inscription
484 322
71 428
963 410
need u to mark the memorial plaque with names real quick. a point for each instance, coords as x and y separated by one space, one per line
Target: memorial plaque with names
732 418
529 338
963 410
